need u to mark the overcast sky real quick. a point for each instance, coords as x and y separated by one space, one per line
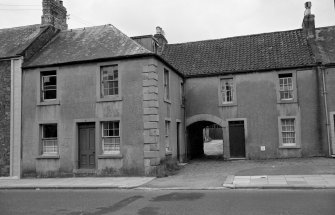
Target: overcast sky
182 20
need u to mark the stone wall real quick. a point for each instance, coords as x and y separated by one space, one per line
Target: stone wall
151 120
5 67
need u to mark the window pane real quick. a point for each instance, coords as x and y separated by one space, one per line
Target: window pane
288 131
49 131
49 85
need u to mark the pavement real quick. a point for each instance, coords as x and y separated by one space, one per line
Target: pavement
281 182
75 183
206 174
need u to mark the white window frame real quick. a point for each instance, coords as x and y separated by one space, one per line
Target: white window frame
167 130
103 139
293 88
43 99
222 93
286 87
166 83
44 149
282 144
102 81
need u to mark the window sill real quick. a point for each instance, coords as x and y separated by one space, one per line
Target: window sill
168 153
110 156
110 99
289 147
228 104
286 101
47 157
46 103
167 101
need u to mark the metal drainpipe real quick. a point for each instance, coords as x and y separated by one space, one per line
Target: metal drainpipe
326 108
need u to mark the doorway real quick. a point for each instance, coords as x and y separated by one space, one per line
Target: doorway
205 140
237 139
86 143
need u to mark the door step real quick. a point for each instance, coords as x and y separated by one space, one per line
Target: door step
84 172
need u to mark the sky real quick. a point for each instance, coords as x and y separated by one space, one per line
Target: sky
182 20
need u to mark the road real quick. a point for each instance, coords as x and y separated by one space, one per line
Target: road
143 202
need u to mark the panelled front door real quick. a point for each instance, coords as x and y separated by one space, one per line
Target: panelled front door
236 139
86 137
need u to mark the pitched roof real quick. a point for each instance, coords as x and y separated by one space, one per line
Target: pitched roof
86 44
325 41
13 41
240 54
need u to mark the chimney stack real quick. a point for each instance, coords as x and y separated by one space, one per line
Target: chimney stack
308 24
54 13
160 36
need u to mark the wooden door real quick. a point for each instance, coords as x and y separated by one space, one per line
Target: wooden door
236 139
86 145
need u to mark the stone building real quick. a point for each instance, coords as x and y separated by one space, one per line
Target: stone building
94 101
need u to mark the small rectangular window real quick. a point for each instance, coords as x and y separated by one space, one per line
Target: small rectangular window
166 84
288 131
182 95
49 139
109 80
286 86
227 90
167 139
48 85
111 137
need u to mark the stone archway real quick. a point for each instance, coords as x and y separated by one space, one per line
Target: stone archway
195 126
206 117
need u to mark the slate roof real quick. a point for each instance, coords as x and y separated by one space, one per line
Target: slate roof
325 41
276 50
86 44
13 41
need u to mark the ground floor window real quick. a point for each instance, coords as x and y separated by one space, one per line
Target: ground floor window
288 131
49 139
111 137
167 138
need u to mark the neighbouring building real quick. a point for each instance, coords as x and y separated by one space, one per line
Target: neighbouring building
16 45
94 101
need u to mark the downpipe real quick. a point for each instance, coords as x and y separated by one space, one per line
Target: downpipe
324 92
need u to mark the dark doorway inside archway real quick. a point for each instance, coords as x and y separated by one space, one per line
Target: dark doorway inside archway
205 140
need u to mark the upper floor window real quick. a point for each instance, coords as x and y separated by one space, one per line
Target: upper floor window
227 90
111 137
286 86
109 80
182 95
166 84
48 85
49 139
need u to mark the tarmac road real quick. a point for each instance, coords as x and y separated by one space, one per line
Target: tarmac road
176 202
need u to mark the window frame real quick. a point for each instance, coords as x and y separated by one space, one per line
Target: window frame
41 130
167 86
99 82
182 93
294 87
233 94
102 137
40 94
167 136
296 131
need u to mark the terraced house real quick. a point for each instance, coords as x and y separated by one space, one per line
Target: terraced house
94 101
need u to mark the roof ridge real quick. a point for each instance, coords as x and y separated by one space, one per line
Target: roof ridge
248 35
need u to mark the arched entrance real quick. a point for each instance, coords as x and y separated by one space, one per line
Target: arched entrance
205 136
